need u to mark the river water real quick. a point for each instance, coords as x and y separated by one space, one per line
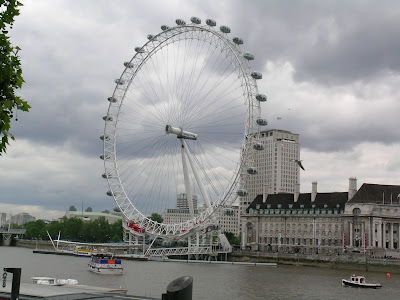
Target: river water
210 281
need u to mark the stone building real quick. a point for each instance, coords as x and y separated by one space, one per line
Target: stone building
367 220
372 219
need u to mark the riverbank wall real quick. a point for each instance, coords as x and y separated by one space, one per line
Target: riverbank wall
350 261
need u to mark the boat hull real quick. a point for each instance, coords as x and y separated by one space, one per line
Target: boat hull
361 285
105 270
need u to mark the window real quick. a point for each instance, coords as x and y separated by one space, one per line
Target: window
356 211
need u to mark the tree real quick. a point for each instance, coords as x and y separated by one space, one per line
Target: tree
156 217
10 72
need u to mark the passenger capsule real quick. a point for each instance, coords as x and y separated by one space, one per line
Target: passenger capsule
102 137
104 175
164 27
104 157
180 22
150 37
195 20
109 193
139 50
262 122
238 40
128 64
107 118
256 75
119 81
225 29
248 56
258 146
261 97
252 170
242 192
210 22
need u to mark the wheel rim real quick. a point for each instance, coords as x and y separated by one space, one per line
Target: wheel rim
193 78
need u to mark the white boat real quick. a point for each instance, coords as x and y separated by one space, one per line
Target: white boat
53 281
105 264
359 281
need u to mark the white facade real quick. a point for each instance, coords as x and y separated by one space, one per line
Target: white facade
277 170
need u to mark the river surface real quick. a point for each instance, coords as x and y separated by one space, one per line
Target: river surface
210 281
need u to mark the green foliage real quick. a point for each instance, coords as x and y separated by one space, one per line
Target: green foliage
233 240
10 72
75 229
156 217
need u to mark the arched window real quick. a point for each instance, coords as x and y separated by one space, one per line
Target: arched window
356 211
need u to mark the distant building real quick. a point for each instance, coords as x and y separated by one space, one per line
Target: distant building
72 208
89 209
90 216
3 220
22 218
182 201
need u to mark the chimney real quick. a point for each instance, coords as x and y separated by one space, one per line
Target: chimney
266 192
296 192
314 191
352 187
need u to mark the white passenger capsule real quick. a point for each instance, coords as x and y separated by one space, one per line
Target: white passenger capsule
128 64
104 157
150 37
164 27
139 50
180 22
256 75
195 20
242 192
109 193
258 146
262 122
112 99
119 81
225 29
261 97
103 137
252 170
238 40
248 56
107 118
210 22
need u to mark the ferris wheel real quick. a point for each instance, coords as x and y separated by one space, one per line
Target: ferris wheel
183 119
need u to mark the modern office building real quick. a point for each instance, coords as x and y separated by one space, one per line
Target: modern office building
277 171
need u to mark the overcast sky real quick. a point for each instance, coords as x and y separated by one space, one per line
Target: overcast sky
330 71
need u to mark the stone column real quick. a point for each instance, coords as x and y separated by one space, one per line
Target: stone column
379 232
391 244
383 235
351 235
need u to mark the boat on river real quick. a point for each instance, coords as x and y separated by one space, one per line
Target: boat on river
359 281
53 281
105 264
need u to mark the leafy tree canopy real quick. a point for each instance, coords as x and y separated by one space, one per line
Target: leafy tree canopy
10 72
156 217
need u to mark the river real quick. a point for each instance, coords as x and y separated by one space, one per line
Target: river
210 281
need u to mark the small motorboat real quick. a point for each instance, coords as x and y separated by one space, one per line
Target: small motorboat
103 263
359 281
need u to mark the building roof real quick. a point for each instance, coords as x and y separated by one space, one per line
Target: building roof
377 193
304 201
96 214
